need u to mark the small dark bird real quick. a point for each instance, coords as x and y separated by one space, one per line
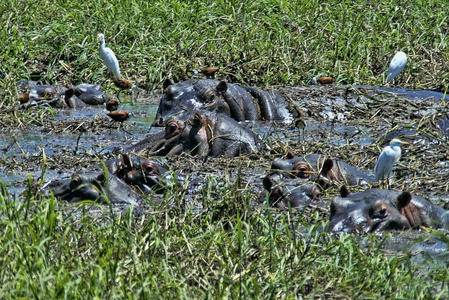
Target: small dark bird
120 116
209 72
111 105
24 98
325 80
124 85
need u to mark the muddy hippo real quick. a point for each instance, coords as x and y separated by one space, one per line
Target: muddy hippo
241 104
202 133
376 210
294 192
320 169
146 175
95 186
62 96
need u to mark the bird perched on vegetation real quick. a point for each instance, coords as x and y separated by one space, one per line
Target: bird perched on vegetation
397 64
325 80
387 158
123 85
24 98
108 57
209 72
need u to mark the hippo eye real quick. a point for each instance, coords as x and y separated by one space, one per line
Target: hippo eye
209 97
171 128
301 170
150 168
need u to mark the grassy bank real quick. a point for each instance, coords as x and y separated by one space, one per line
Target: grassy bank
254 42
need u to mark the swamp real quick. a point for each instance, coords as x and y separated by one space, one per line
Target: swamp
221 238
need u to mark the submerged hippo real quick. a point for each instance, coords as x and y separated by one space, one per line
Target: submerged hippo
201 133
241 104
62 96
321 169
114 184
376 210
293 192
95 186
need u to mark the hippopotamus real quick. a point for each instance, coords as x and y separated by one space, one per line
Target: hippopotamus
376 210
202 133
91 93
62 96
249 103
293 192
146 175
93 186
317 167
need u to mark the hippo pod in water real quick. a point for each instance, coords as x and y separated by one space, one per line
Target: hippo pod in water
76 97
201 133
293 192
376 210
321 169
114 184
241 104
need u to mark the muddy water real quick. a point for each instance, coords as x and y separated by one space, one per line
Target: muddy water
342 122
21 147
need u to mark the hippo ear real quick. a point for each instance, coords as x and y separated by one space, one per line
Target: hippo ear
167 83
197 120
327 166
344 192
404 199
222 86
126 161
101 179
290 155
267 183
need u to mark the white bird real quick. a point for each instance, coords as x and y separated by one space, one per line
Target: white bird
397 64
108 57
387 158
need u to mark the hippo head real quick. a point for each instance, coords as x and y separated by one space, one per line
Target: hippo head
190 95
295 194
204 133
79 188
374 210
185 132
145 174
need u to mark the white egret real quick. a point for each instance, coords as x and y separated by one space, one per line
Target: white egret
108 57
387 158
397 64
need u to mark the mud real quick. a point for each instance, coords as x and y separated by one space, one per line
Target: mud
350 123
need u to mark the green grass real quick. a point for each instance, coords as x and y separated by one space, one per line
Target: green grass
254 42
51 250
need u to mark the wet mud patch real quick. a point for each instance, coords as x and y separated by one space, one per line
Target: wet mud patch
347 123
